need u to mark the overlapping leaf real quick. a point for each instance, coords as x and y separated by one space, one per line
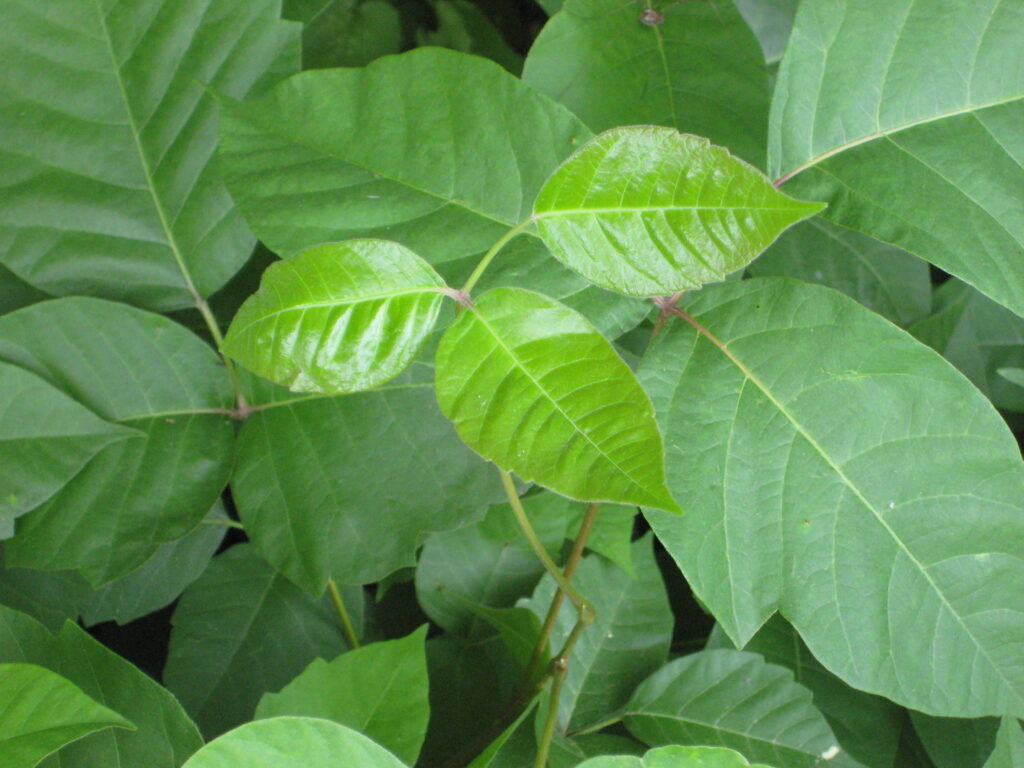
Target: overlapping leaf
345 33
533 387
141 371
649 211
954 742
771 21
676 757
697 69
339 317
846 475
1009 749
108 188
916 144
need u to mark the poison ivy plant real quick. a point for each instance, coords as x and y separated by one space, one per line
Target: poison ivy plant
368 493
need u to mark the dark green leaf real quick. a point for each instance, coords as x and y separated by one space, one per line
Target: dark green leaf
345 33
462 26
954 742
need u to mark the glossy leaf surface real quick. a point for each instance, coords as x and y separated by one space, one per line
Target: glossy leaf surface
339 317
918 143
108 188
531 386
676 757
813 439
42 712
292 742
733 699
650 211
699 70
379 690
145 372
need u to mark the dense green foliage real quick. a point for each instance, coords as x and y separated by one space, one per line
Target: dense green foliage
449 385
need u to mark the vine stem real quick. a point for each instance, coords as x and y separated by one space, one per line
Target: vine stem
346 622
488 257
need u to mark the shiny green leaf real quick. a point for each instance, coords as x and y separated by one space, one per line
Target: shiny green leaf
41 712
107 182
733 699
904 115
142 371
697 69
46 438
676 757
293 742
847 476
380 690
531 386
339 317
650 211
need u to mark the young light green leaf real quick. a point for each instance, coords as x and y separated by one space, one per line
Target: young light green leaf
293 742
239 631
46 438
696 68
339 317
531 386
733 699
676 757
871 134
107 185
795 427
145 372
1009 751
379 690
41 712
649 211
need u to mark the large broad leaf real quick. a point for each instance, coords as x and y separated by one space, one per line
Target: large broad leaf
142 371
872 134
867 727
842 473
733 699
886 279
379 690
979 337
240 631
676 757
628 641
1009 750
164 736
650 211
340 317
46 438
438 150
533 387
41 712
691 66
349 486
108 188
293 742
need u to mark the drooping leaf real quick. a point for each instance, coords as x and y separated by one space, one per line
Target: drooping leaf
293 742
676 757
883 278
533 387
345 33
339 317
350 486
142 371
163 736
866 727
691 66
40 712
733 699
955 742
771 21
240 631
628 641
46 438
108 188
873 134
1009 750
979 337
650 211
847 476
379 690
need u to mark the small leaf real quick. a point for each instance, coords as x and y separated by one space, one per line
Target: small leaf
649 211
293 742
533 387
379 690
40 712
339 317
676 757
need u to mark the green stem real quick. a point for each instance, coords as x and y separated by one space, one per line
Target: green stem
481 267
559 670
346 622
218 340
